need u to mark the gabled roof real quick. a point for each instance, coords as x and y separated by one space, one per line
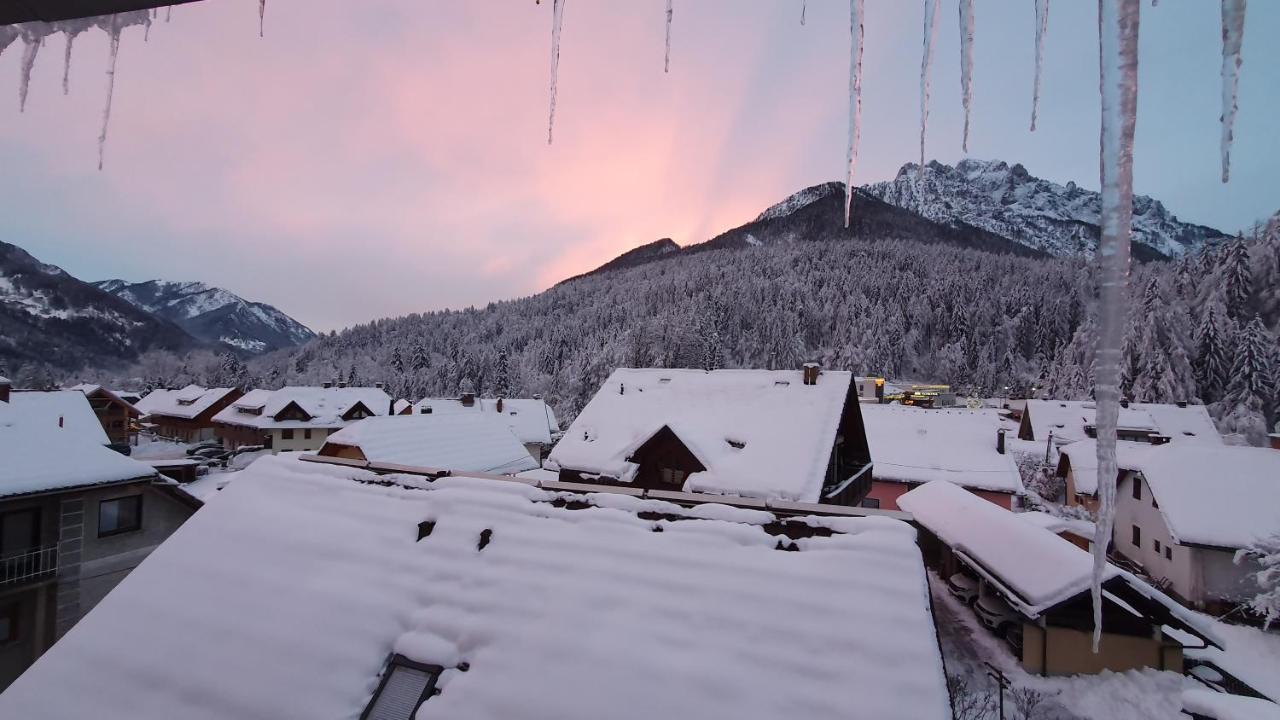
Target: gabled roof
1221 496
915 445
461 441
1067 420
65 409
1083 457
531 419
40 458
760 433
326 407
186 403
565 613
90 390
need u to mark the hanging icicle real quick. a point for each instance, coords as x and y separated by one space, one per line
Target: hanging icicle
32 40
146 35
1118 84
966 65
855 102
111 86
1042 29
262 14
66 64
930 33
1232 36
168 13
666 63
557 16
804 6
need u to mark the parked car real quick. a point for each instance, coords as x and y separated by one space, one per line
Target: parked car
963 587
206 445
996 614
208 452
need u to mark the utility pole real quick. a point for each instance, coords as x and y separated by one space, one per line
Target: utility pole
1002 683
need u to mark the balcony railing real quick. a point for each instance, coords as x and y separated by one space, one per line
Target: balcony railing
29 566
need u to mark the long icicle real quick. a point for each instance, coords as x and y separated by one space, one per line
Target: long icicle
804 7
1232 36
262 14
855 103
1042 29
66 63
1118 85
168 13
111 86
557 17
31 45
930 33
666 63
966 65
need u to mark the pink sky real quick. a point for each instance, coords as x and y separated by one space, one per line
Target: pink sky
368 159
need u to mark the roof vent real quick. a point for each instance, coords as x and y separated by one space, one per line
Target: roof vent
405 686
735 444
485 536
1182 403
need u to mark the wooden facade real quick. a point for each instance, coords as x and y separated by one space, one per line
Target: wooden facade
115 415
196 428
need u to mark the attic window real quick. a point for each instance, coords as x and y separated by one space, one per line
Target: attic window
735 444
405 686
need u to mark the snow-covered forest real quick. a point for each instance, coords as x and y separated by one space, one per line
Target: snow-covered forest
1203 328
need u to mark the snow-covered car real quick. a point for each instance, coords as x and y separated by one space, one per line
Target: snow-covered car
996 614
210 452
207 445
963 587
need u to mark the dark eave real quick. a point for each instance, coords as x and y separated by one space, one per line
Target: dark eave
18 11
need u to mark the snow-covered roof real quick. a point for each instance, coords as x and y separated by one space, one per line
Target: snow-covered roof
1067 420
41 457
4 380
66 409
759 433
400 406
286 596
915 445
1222 496
531 419
1222 706
325 406
459 441
90 389
187 402
1083 456
1055 524
540 475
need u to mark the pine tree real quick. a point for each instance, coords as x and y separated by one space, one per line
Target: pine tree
503 380
1249 393
397 362
420 360
1211 364
1238 280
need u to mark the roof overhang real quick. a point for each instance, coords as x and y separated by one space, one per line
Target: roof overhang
19 11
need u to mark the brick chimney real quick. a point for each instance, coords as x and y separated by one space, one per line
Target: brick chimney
499 403
811 371
5 387
1000 440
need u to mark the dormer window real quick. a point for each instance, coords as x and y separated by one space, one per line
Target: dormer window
404 687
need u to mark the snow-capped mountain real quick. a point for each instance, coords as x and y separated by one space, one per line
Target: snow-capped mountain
48 317
213 314
1006 200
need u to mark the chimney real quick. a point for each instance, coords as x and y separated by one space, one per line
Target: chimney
1182 403
326 384
468 399
5 387
378 385
499 403
1000 440
1275 441
811 371
60 421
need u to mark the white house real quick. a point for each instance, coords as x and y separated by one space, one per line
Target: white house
297 419
1068 421
316 591
531 419
1078 468
1183 511
480 442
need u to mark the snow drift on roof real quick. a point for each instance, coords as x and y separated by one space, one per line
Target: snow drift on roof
914 445
1083 456
285 597
326 406
1055 524
1221 706
532 420
187 402
1067 419
759 433
38 458
68 409
459 441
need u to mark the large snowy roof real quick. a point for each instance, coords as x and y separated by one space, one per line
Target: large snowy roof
39 458
532 420
91 389
326 406
286 596
1083 456
759 433
1222 496
67 409
460 441
1067 420
915 445
186 403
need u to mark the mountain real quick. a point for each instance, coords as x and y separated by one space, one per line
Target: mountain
49 317
1006 200
213 314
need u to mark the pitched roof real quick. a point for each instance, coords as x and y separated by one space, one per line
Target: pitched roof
39 458
759 433
1083 456
1222 496
90 389
531 419
461 441
1067 420
187 402
916 445
326 406
564 614
68 409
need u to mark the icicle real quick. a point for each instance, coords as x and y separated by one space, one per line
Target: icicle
666 63
66 64
966 65
804 6
168 13
1042 29
262 13
32 42
111 85
1118 84
855 102
146 35
1232 35
557 16
930 33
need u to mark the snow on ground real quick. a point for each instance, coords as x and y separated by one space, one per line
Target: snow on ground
152 448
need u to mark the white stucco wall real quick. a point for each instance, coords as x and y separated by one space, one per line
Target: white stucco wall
299 443
1180 569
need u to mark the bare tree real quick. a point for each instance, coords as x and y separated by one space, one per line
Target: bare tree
967 701
1029 702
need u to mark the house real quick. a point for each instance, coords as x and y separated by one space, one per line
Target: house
75 518
66 409
793 435
480 442
870 389
115 414
1078 469
187 414
531 419
402 407
1183 511
1068 421
911 446
1042 583
319 591
297 419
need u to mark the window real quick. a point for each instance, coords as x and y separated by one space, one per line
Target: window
8 623
286 434
405 686
1137 536
119 515
672 476
1156 543
306 434
1137 488
872 503
19 532
1168 552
